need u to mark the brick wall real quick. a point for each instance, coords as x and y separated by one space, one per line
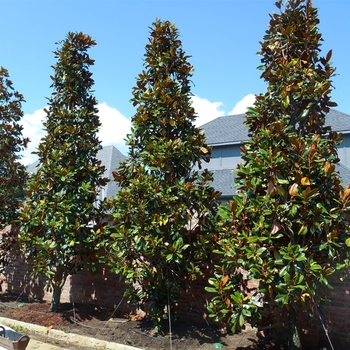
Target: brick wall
104 288
336 314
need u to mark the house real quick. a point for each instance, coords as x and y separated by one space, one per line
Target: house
226 134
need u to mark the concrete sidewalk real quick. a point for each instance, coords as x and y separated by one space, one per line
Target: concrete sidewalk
69 338
38 345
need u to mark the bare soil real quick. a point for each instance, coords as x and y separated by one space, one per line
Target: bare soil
133 330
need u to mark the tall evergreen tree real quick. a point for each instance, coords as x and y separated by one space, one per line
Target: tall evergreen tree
13 175
287 226
164 210
60 218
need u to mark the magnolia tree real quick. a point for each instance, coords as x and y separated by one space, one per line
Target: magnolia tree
60 230
12 173
163 213
287 225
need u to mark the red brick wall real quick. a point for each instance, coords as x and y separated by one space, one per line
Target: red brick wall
336 314
104 288
17 279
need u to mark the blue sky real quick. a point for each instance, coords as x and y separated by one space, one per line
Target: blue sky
222 36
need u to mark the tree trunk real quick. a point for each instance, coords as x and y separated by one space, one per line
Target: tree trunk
293 336
57 284
56 297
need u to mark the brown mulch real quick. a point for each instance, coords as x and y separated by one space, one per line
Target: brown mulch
133 330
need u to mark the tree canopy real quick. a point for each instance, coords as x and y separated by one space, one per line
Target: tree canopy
287 226
163 213
61 219
13 174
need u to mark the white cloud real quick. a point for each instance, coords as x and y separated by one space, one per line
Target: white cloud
33 129
243 104
114 127
206 110
112 132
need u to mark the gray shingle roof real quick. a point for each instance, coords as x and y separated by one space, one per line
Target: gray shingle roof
31 168
226 130
110 157
339 121
231 129
224 182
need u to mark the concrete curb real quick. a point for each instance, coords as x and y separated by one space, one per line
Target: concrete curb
67 337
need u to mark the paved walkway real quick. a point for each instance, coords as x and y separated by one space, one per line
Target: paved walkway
38 345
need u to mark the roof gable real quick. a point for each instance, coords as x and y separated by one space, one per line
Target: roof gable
111 158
